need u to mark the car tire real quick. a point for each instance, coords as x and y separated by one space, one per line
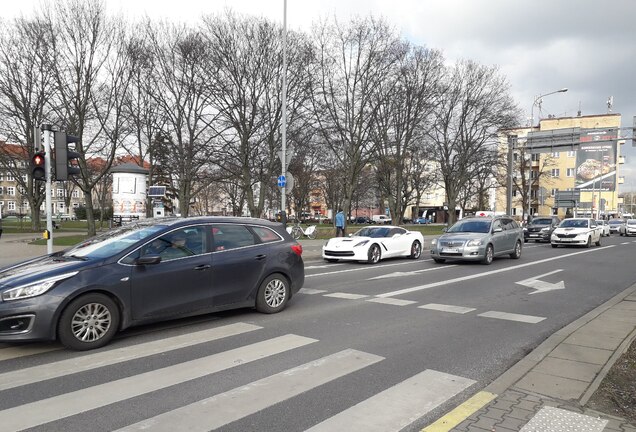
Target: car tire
488 255
525 240
88 322
555 245
273 294
517 253
598 243
589 242
331 260
416 250
439 260
374 255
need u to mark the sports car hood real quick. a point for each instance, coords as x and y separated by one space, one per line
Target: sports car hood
346 241
39 268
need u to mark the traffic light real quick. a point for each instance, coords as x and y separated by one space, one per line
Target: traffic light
38 166
64 168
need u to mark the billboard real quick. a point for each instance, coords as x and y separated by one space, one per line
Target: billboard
596 160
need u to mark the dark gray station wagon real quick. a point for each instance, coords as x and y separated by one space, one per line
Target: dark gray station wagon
154 270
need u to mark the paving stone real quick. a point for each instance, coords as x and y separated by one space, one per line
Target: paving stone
486 423
555 387
550 419
495 413
590 339
568 369
511 423
628 428
626 305
522 414
503 404
533 398
528 405
620 315
582 353
511 395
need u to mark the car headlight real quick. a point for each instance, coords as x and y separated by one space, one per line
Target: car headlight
433 242
475 242
545 230
362 243
34 289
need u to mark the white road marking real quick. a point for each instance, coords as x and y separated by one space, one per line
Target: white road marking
542 286
624 243
392 301
46 410
398 406
347 296
219 410
311 291
119 355
411 273
447 308
366 267
512 317
488 273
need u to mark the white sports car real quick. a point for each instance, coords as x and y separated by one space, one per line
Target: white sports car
374 243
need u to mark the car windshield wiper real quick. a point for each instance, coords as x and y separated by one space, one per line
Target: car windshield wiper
67 257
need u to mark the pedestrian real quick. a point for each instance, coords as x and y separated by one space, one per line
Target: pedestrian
340 223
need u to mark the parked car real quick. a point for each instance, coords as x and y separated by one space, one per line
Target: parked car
422 221
362 220
540 228
604 227
576 231
374 243
628 228
153 270
381 219
479 239
615 224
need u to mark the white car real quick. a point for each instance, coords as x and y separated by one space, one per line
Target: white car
604 227
373 243
576 231
628 228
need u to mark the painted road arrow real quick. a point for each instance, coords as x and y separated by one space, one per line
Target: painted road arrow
409 273
542 286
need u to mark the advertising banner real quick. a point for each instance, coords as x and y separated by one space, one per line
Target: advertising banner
596 160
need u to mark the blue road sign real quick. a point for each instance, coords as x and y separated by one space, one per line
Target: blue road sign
282 181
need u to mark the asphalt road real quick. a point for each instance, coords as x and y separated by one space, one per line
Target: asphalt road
362 347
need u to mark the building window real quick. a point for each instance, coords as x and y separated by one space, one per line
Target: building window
11 205
535 157
554 191
10 177
555 154
571 154
60 193
555 172
60 207
11 191
570 172
76 205
75 193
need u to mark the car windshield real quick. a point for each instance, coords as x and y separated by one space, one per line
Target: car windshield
471 226
600 222
574 223
372 232
615 222
631 222
542 221
112 242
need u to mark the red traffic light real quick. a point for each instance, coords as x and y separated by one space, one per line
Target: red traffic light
38 164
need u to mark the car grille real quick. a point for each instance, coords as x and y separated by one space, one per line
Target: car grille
338 253
535 229
566 235
450 243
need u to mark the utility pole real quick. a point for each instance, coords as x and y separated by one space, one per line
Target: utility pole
283 159
47 130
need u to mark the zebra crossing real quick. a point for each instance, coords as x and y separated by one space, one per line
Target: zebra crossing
391 409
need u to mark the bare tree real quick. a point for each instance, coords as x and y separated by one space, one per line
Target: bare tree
476 103
25 91
405 101
353 61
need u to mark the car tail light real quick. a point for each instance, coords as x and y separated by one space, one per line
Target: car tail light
297 249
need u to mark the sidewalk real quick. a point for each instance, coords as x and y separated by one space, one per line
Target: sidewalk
15 248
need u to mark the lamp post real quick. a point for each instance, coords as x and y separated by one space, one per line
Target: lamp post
537 101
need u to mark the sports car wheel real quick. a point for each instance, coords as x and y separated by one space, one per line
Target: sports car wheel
439 260
331 260
273 294
88 322
488 256
416 250
374 254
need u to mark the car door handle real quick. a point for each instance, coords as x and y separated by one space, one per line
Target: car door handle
260 257
202 267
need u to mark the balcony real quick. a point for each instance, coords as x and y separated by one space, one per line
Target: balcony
621 180
621 159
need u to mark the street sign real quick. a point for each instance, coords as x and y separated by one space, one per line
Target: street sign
289 183
288 156
282 181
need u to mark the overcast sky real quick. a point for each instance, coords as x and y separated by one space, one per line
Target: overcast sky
588 46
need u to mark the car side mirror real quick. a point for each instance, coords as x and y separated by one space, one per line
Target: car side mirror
148 259
350 234
444 229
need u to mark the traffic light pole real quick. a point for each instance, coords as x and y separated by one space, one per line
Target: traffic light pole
47 130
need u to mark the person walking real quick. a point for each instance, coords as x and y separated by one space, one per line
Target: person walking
340 223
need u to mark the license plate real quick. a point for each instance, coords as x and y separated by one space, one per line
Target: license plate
450 250
534 235
567 240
